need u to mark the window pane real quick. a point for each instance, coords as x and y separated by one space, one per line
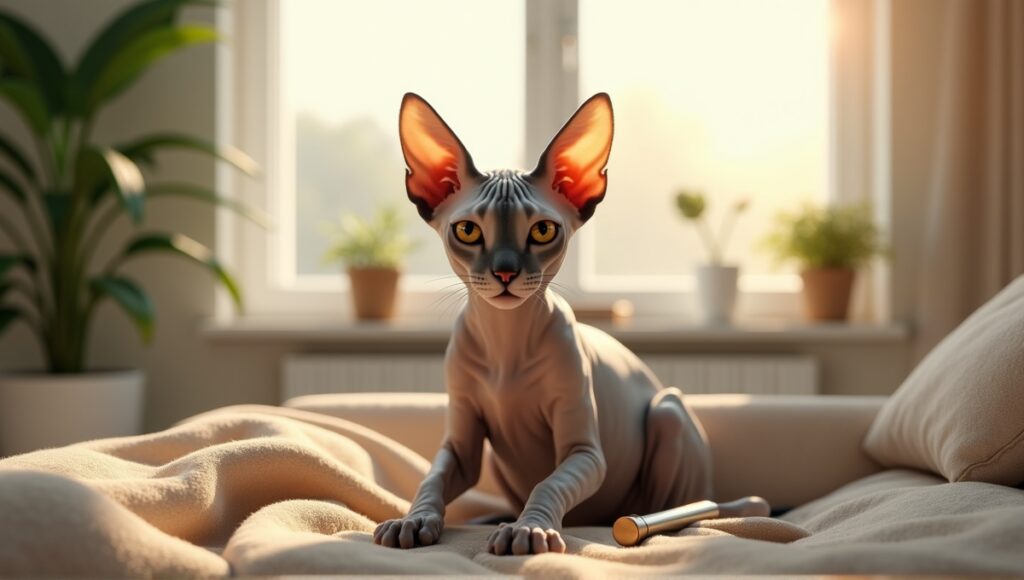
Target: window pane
345 67
724 96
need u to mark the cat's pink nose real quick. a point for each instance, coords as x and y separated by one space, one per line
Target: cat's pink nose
505 277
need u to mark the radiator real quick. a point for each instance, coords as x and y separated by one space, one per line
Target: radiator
312 374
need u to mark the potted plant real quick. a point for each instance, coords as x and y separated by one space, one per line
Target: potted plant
372 251
716 281
829 244
65 198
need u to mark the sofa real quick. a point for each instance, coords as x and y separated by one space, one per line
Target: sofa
298 489
925 481
759 443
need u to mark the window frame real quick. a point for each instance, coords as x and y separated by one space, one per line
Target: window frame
249 115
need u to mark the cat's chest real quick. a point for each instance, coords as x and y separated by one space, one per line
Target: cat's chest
506 379
510 377
512 371
515 405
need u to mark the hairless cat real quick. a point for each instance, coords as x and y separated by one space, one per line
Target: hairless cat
582 431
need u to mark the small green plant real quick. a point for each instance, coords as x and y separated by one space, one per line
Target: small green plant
361 243
829 237
692 205
67 194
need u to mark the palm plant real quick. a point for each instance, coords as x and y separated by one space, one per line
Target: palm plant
69 195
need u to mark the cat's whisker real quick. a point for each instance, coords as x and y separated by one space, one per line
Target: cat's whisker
444 277
449 287
447 297
455 303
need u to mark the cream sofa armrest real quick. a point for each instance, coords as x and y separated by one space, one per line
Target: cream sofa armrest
788 449
415 420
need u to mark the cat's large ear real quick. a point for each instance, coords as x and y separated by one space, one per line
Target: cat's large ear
574 163
438 165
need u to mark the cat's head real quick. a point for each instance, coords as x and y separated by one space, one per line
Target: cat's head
506 232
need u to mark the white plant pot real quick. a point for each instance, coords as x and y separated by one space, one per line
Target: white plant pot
716 292
39 410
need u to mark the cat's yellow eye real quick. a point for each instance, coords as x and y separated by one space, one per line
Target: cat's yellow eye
543 232
467 232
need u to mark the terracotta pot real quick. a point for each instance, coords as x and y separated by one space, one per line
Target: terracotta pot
40 410
374 291
827 292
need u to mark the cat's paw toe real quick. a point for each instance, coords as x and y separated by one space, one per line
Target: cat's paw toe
520 540
408 532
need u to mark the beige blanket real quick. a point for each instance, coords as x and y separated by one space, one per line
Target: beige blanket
262 490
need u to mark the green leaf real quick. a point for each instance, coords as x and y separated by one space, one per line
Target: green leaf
10 184
7 316
378 242
258 216
142 150
127 27
128 183
129 63
58 206
25 52
27 100
9 261
187 247
100 168
92 177
836 236
690 204
11 152
130 297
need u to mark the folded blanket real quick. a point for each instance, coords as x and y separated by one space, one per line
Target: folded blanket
261 490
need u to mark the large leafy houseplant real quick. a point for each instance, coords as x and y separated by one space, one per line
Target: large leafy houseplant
69 192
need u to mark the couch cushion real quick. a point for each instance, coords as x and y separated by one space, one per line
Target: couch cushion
888 515
757 442
960 413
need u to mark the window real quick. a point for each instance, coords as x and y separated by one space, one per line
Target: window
753 121
725 97
342 78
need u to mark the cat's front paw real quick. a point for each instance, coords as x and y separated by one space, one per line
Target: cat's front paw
521 538
408 532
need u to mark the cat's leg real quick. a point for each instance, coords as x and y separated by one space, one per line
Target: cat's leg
580 471
677 458
455 469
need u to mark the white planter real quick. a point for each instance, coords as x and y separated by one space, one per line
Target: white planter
716 293
39 410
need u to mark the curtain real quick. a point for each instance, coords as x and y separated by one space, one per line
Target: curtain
974 208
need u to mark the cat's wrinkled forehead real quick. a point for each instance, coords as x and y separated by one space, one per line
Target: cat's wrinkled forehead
505 189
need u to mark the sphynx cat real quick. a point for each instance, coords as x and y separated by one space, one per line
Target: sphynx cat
582 431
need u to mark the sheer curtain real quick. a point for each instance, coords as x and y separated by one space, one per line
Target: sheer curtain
973 216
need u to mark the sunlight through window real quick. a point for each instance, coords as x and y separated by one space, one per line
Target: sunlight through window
727 97
344 72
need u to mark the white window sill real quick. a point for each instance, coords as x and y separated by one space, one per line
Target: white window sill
640 331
